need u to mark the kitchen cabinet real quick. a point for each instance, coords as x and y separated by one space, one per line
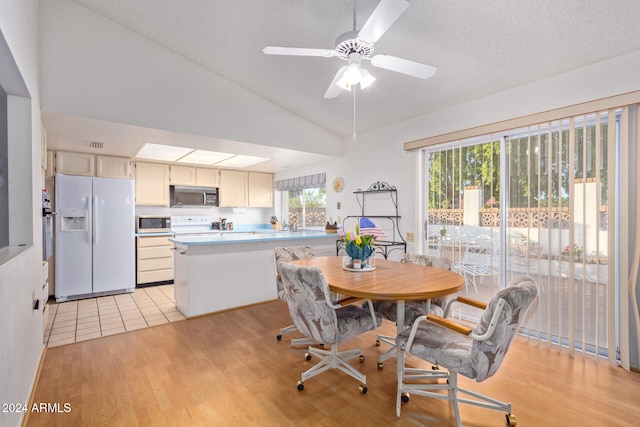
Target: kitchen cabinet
152 184
208 177
233 188
260 190
154 261
70 163
113 167
183 175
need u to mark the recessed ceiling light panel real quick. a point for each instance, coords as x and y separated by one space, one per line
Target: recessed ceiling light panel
241 161
204 157
165 153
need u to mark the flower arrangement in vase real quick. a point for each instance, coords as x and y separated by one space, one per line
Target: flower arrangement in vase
359 247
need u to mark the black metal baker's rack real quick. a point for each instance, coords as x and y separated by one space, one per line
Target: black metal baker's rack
395 241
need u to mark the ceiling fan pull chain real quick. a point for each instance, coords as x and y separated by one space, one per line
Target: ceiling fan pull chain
354 113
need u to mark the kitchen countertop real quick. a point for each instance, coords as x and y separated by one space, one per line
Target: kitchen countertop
262 235
162 233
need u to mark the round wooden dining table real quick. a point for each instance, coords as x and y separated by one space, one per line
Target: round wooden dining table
391 280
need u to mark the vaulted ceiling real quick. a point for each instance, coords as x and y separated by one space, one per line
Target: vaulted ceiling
478 47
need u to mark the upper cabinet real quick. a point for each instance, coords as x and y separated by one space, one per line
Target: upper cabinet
233 188
260 190
152 184
113 167
189 175
71 163
208 177
183 175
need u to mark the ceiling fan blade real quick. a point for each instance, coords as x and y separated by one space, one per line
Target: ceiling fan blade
298 51
334 90
384 15
404 66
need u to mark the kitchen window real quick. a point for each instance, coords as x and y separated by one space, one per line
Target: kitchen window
302 201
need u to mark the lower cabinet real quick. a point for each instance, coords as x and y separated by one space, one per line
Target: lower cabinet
154 259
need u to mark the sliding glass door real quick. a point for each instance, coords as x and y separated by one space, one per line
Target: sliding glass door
532 201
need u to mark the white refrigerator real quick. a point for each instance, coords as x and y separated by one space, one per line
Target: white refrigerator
95 246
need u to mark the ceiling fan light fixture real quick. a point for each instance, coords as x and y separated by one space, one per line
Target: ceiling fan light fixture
353 75
367 79
343 83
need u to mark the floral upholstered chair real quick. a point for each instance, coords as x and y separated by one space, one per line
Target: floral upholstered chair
476 353
285 255
412 309
322 320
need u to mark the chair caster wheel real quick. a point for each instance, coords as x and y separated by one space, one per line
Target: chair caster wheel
377 343
300 386
363 389
405 397
362 358
380 365
511 419
307 356
279 337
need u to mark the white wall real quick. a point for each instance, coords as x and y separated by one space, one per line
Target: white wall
20 327
96 68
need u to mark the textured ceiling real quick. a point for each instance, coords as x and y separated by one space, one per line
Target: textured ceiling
479 47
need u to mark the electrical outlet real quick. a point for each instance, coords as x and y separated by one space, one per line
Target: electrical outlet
409 237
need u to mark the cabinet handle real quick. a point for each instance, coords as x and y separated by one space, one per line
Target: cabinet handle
180 251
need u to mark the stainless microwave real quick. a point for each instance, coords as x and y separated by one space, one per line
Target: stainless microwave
193 196
153 223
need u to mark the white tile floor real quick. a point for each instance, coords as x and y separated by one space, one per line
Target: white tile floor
81 320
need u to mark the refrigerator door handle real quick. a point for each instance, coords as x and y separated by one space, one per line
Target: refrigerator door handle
89 219
95 220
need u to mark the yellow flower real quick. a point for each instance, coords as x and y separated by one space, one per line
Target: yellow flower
358 240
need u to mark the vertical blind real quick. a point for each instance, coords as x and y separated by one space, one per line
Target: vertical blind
554 219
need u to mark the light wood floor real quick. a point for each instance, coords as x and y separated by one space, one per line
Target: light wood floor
228 369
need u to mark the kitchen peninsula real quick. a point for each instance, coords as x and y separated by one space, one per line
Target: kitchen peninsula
217 272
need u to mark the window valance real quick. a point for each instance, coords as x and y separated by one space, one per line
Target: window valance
302 182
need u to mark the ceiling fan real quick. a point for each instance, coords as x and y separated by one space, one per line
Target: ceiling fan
356 46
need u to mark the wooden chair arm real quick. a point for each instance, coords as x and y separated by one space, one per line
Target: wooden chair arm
457 327
472 302
464 300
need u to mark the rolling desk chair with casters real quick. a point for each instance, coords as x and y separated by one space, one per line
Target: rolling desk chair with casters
287 254
476 353
322 320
